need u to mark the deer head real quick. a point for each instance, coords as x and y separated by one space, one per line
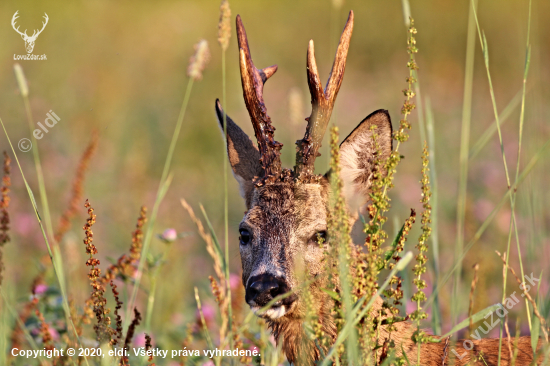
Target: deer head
287 209
29 41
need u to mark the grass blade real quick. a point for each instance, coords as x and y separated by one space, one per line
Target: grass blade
474 318
535 327
463 162
489 219
204 327
357 316
24 90
22 326
492 129
436 310
217 246
513 224
149 312
163 187
51 254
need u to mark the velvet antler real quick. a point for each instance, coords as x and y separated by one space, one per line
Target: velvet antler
253 81
322 102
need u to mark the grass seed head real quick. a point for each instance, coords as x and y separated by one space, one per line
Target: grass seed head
224 25
199 60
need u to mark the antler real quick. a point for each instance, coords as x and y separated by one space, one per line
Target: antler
253 81
13 19
322 103
34 35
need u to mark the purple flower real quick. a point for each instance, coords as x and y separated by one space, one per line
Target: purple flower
53 333
170 235
208 312
40 289
139 340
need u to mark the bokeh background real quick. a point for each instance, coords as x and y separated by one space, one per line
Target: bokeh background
120 67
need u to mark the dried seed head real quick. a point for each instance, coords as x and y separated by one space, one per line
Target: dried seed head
77 188
198 61
21 81
4 204
224 25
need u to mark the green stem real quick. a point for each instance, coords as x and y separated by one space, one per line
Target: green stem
160 195
436 317
152 291
489 219
359 311
203 321
22 326
513 223
464 146
226 210
50 253
521 120
492 129
39 172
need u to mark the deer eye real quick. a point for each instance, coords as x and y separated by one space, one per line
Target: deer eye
320 237
245 237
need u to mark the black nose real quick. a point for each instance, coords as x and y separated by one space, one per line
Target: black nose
264 288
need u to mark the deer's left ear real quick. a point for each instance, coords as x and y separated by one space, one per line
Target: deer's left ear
357 155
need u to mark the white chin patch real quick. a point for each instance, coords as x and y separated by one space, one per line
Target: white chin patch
273 313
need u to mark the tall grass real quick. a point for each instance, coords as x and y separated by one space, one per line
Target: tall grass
56 261
513 223
364 281
463 157
224 34
24 90
196 66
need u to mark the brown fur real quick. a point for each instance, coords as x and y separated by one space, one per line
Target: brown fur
287 214
283 219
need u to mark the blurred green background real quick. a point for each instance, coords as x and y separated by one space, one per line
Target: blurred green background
120 67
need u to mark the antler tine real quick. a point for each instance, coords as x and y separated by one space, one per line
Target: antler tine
322 102
339 65
43 24
13 22
253 81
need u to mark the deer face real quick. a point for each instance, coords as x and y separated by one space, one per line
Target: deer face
279 238
286 215
281 231
29 42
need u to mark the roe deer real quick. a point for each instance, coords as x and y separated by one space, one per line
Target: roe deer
287 214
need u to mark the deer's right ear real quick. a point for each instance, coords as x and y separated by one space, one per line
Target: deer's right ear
357 156
243 155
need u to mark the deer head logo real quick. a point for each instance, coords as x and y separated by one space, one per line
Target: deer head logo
29 41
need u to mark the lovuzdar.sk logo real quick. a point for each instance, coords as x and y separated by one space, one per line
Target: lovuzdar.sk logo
29 40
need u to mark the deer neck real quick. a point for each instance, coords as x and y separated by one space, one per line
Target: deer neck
301 350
